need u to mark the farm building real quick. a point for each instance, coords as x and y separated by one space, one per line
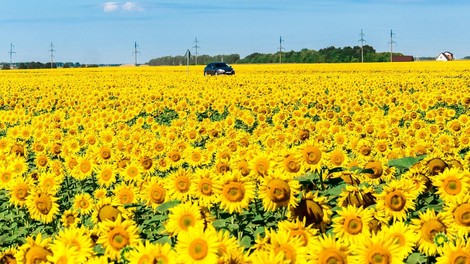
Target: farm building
402 58
445 56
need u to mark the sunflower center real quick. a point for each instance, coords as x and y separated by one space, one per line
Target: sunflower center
44 203
278 191
198 249
205 186
262 167
337 159
84 204
234 191
126 196
70 219
146 259
430 228
186 221
21 193
399 239
331 256
146 163
462 214
85 166
300 233
459 257
353 225
118 237
292 165
108 212
436 166
36 254
157 194
175 156
182 183
312 155
6 177
196 156
42 161
395 200
452 186
106 174
289 252
132 172
106 154
379 256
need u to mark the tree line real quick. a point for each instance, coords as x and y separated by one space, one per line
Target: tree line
327 55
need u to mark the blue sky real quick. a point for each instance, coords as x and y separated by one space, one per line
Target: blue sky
92 31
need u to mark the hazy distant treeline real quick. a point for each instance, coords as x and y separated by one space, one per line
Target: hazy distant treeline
327 55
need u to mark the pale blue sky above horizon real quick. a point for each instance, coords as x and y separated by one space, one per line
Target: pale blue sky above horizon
91 31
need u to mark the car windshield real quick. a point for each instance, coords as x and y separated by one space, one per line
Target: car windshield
220 65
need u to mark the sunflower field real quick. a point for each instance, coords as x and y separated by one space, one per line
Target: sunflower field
313 163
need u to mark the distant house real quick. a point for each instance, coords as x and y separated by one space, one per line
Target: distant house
402 58
445 56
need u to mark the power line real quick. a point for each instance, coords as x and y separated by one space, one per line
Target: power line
280 48
11 52
135 53
52 50
196 47
362 40
391 44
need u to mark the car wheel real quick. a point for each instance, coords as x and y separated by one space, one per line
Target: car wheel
216 73
205 73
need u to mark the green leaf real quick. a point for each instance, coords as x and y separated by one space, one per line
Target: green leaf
219 223
404 163
233 227
246 241
416 258
164 240
167 206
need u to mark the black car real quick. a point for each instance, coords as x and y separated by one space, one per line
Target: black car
216 68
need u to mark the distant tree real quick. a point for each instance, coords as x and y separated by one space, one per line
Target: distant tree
6 66
466 58
23 66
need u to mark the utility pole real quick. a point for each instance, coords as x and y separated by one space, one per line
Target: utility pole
362 40
135 53
52 50
391 44
280 49
196 46
11 52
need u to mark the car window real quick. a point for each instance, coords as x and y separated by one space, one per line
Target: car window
221 65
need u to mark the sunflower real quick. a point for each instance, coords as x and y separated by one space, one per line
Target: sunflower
182 217
116 235
84 169
378 171
311 156
125 193
41 162
148 164
459 213
396 200
227 244
336 158
376 250
34 250
62 253
83 203
292 246
6 177
357 196
427 226
77 238
7 256
132 172
288 163
352 224
326 249
236 192
152 253
42 205
106 175
268 257
19 190
403 236
298 228
179 184
314 209
50 182
206 187
107 209
452 184
197 246
18 165
153 192
455 252
195 157
175 157
70 218
261 164
103 154
277 190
